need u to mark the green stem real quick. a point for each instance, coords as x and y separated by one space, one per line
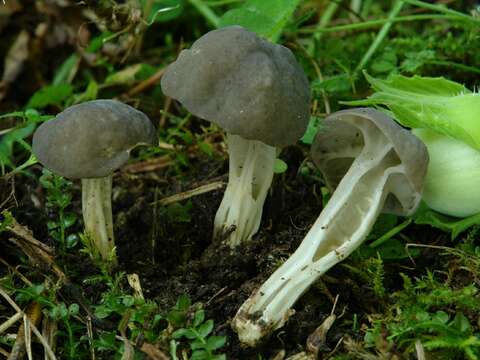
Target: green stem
367 4
71 347
441 9
380 36
222 2
390 233
377 22
454 64
207 13
62 229
325 19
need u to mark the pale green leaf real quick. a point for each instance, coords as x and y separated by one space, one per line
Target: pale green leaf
125 76
50 95
267 18
280 166
455 226
437 104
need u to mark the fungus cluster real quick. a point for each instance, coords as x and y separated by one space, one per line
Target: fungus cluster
258 93
90 141
374 165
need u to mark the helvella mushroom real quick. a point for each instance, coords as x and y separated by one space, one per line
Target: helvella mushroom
374 165
89 141
258 93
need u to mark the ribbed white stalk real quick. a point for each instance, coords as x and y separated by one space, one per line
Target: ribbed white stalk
251 165
97 214
341 227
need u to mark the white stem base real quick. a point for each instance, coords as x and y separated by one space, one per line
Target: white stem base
250 176
97 214
341 227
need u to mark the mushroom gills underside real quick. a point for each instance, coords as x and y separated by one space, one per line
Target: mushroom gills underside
341 227
251 166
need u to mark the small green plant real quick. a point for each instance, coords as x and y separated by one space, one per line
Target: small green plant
376 274
436 314
59 198
69 330
196 333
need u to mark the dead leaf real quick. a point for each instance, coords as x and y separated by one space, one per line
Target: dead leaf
16 56
153 352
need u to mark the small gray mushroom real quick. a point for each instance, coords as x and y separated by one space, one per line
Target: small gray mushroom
373 165
90 141
259 94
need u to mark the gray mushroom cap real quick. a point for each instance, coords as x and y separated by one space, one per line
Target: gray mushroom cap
92 139
248 86
343 138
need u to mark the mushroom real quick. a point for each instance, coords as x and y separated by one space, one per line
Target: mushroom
374 165
259 94
90 141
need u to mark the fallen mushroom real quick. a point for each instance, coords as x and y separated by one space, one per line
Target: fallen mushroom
259 94
90 141
374 165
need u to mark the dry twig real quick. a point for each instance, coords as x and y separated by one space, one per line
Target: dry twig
37 333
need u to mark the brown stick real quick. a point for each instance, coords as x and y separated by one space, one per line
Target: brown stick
22 342
151 81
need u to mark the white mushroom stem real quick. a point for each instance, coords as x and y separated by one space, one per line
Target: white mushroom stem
341 227
97 214
251 165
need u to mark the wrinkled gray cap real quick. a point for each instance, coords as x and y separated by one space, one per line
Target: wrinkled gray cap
340 141
247 85
92 139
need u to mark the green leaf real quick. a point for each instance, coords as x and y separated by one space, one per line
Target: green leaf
69 219
200 355
188 333
50 95
97 42
394 249
128 300
198 344
455 226
265 17
102 311
386 63
125 76
313 126
206 328
216 342
67 70
183 302
438 104
198 318
6 220
333 84
20 114
441 317
219 357
162 10
280 166
73 309
9 139
71 241
90 93
461 323
207 148
417 59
